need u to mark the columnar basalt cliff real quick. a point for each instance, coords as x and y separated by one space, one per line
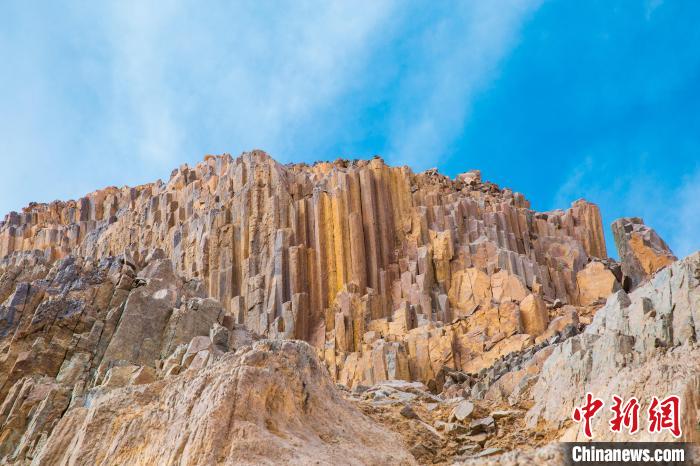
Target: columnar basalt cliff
350 256
430 289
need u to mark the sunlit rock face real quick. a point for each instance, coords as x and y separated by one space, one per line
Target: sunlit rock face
373 265
641 344
177 301
642 251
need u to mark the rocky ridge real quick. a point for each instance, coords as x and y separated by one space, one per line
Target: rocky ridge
416 294
375 266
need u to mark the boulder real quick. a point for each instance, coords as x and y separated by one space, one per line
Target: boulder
641 250
462 411
478 426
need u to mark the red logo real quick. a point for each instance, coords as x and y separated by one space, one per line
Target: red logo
665 415
625 416
586 413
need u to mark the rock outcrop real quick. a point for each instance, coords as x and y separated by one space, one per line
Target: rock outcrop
102 363
639 345
256 406
206 319
376 267
642 251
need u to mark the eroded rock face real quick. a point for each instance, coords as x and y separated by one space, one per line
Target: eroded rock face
103 363
595 283
642 251
371 264
643 344
135 305
77 326
264 403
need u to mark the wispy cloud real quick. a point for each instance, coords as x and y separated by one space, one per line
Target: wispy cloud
462 54
570 188
244 75
142 101
651 7
121 92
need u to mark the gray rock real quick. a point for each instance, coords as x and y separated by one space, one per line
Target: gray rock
486 424
408 412
462 411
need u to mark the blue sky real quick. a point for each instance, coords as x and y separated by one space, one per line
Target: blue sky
555 99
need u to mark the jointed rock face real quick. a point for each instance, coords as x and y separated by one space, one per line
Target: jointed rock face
160 292
340 255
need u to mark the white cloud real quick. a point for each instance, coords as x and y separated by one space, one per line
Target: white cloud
246 74
141 102
121 93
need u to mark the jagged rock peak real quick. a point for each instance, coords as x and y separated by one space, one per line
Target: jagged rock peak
641 250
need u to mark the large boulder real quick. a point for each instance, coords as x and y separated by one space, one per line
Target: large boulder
534 315
595 282
642 251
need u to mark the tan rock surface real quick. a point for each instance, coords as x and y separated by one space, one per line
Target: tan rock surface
132 306
265 404
640 345
642 251
534 315
323 253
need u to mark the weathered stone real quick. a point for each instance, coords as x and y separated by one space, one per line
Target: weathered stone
462 411
642 251
595 283
282 398
143 375
128 299
139 334
486 424
408 412
119 376
534 315
628 350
